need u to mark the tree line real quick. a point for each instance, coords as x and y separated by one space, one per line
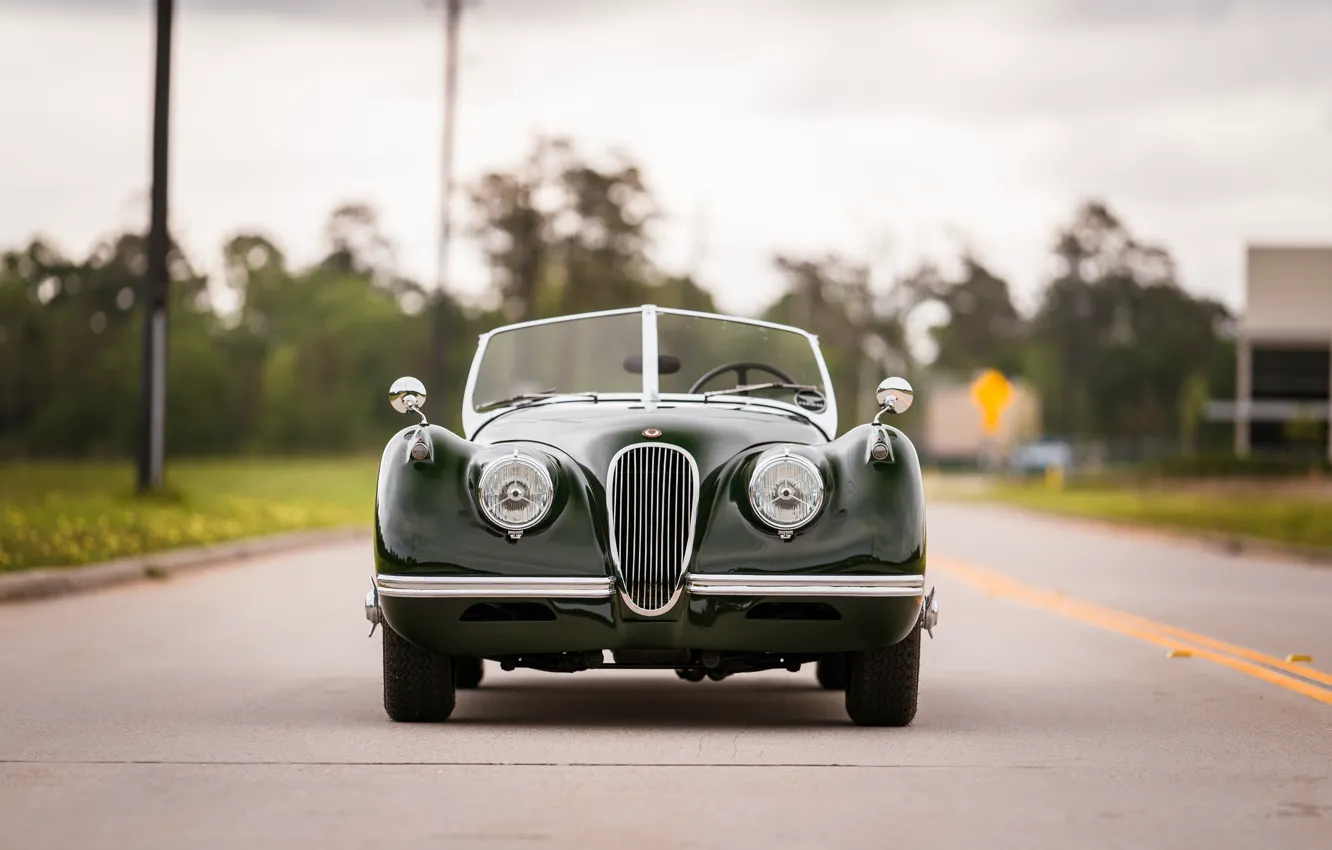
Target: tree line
1116 348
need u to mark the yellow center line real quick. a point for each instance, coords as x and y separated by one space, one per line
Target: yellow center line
1239 658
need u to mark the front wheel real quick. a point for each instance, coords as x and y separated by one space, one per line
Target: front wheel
882 685
418 685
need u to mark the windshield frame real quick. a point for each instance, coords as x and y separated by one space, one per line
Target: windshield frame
650 396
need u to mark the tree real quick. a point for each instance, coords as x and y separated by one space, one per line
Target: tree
602 237
831 297
563 235
297 360
1122 337
684 293
301 364
356 243
513 215
983 329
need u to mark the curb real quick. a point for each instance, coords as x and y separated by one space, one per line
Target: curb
49 582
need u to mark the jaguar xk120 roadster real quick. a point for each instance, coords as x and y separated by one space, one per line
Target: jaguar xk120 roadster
650 488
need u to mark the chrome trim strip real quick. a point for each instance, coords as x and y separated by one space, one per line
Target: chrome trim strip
618 311
735 584
621 311
471 420
494 587
651 381
827 420
743 320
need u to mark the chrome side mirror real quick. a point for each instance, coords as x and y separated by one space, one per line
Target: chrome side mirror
894 396
408 394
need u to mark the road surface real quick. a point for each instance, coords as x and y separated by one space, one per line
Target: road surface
239 707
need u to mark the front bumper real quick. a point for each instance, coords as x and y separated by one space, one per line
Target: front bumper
715 611
699 584
495 587
730 584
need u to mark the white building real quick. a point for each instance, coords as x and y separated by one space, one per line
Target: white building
1283 382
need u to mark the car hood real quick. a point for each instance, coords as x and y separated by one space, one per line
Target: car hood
592 432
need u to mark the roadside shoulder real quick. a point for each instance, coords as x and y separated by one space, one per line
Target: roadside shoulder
1227 542
48 582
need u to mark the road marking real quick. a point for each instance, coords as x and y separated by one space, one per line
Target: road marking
1300 678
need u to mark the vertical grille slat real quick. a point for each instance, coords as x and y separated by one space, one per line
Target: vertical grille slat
653 589
654 489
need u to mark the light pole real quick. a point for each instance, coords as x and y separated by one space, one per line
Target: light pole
438 317
157 285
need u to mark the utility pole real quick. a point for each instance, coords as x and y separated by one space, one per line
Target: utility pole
156 287
452 22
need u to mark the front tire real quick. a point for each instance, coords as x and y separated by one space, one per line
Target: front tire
883 684
418 685
468 672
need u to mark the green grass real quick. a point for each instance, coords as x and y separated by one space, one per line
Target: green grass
1274 513
70 513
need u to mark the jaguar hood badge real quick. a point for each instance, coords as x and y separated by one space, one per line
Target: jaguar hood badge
651 433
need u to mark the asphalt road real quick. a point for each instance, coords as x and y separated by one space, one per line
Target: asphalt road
239 707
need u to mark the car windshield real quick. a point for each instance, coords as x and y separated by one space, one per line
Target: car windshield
573 356
746 355
603 354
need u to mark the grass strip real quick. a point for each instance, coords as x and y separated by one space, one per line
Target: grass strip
72 513
1272 514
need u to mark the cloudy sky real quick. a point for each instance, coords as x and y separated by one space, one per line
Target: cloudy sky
890 130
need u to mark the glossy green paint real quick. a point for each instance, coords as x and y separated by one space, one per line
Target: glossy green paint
428 523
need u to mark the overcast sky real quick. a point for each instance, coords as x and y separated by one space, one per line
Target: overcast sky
891 130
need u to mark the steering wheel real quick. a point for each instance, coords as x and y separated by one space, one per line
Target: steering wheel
741 369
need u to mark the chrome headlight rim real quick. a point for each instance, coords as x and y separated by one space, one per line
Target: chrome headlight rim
772 458
492 468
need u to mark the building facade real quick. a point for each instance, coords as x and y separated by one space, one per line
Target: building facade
1283 382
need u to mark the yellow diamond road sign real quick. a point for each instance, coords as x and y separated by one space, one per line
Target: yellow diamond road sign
992 393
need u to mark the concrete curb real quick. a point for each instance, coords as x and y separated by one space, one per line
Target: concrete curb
48 582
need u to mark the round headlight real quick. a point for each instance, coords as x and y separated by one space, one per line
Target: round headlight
515 492
786 491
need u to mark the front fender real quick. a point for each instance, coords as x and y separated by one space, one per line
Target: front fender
872 520
427 520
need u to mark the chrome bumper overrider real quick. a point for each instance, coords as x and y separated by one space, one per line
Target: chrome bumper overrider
511 587
804 585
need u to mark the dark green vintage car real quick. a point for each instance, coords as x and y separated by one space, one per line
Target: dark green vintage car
650 488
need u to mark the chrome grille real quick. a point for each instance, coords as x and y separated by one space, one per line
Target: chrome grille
653 497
